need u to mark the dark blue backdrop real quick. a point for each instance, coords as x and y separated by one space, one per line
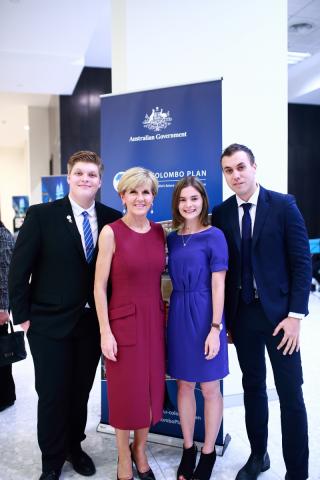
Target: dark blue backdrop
182 137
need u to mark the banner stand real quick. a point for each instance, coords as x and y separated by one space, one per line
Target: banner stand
165 440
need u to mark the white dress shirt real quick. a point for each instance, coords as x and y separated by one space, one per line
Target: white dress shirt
254 201
92 216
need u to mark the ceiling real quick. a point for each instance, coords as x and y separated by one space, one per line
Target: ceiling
43 51
304 77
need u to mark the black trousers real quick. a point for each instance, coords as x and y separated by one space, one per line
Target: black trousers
64 373
252 334
7 387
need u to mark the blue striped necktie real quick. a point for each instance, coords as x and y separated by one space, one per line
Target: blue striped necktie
88 239
247 290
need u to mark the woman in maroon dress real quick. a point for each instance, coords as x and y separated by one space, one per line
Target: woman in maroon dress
132 325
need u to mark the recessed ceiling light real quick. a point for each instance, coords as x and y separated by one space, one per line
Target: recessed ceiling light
296 57
301 28
26 128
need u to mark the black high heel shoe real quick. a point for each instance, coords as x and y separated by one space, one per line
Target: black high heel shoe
205 466
188 462
148 475
118 476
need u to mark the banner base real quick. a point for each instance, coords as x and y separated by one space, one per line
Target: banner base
164 440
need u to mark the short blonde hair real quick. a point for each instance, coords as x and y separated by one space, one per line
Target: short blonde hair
136 176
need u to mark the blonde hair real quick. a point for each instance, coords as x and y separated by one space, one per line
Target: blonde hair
136 176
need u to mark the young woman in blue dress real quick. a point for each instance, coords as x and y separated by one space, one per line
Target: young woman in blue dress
196 335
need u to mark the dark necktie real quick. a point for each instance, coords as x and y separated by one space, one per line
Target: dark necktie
88 239
247 291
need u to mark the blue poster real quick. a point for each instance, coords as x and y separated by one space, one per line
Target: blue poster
54 187
20 204
174 132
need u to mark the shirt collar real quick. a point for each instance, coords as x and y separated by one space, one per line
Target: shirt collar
77 210
253 199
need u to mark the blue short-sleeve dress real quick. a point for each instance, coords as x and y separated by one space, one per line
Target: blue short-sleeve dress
192 259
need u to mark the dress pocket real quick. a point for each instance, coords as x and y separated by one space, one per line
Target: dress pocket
124 324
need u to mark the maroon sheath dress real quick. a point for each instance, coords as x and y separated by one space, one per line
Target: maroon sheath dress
136 381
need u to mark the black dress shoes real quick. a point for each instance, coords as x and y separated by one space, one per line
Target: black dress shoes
148 475
52 475
255 465
118 478
82 463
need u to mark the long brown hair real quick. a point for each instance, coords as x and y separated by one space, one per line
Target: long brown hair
190 181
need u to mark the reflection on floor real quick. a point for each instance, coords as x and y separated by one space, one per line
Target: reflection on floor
20 457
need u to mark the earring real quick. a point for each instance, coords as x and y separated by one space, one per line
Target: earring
124 210
151 211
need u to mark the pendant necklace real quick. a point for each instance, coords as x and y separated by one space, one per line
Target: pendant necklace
185 241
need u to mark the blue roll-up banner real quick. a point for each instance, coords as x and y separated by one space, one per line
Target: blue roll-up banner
174 132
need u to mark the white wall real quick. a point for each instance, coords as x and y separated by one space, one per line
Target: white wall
39 150
54 134
14 181
22 168
169 43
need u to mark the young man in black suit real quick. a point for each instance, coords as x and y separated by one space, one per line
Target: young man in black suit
51 296
267 293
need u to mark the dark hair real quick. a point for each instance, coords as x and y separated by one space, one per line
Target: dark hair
190 181
87 157
237 147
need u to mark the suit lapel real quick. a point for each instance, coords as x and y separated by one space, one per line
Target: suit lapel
261 214
99 217
234 222
71 226
100 224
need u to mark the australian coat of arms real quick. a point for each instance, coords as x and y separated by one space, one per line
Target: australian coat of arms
157 120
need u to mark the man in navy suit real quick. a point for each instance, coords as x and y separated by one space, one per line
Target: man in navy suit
267 292
51 296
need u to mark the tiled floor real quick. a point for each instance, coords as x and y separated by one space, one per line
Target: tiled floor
20 457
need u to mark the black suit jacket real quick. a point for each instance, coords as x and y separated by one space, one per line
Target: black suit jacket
281 258
50 281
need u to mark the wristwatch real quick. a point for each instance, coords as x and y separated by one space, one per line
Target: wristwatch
218 326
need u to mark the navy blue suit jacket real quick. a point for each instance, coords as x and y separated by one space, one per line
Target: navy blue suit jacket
280 255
